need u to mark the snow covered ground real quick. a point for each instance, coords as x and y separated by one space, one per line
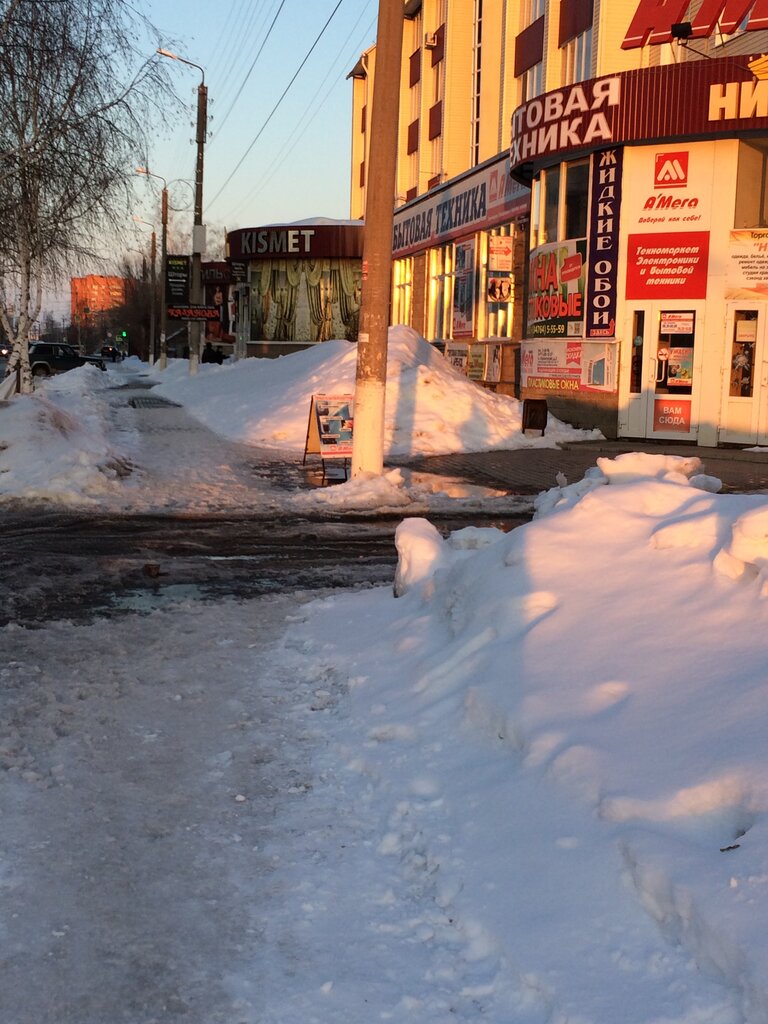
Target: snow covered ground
90 448
532 787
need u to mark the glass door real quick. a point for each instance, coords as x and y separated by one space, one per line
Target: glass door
661 370
670 406
745 398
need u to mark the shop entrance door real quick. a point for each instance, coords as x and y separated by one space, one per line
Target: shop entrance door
745 397
664 372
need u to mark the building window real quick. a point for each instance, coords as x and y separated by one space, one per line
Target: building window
559 203
577 58
576 196
752 185
533 82
532 11
477 82
441 272
402 292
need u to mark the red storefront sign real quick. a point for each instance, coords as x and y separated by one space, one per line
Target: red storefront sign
296 241
668 265
653 19
721 98
672 415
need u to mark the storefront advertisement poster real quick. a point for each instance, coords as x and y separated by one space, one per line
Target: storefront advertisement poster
500 253
556 290
666 265
493 363
464 290
676 323
457 354
476 362
569 366
747 276
499 289
680 367
335 421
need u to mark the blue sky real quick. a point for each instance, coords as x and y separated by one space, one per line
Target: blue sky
299 166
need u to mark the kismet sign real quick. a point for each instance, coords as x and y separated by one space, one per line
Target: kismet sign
653 20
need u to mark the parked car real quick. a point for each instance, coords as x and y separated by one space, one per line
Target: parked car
46 358
111 352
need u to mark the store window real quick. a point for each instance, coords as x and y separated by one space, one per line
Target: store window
742 382
441 275
752 185
560 202
402 292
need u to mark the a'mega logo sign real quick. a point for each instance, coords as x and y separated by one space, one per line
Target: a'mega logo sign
654 19
671 170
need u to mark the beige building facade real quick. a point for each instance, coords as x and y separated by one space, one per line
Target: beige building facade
582 206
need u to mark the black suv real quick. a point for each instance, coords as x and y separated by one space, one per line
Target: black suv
46 358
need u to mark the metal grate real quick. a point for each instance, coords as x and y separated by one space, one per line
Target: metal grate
152 402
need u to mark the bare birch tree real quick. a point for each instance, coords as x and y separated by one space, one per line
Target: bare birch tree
78 98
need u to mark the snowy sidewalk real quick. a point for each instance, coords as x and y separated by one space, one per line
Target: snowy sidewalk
176 462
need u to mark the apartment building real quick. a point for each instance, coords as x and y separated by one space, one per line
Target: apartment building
94 295
638 281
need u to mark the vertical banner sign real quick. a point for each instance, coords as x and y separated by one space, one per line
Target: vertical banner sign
600 319
177 280
464 290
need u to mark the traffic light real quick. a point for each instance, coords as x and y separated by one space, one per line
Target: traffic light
123 334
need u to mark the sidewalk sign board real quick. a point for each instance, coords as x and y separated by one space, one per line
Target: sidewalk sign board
330 427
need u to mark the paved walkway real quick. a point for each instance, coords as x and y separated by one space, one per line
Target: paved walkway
531 470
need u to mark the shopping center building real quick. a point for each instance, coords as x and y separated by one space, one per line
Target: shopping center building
635 294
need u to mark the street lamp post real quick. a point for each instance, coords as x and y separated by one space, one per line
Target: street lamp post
163 362
198 230
153 286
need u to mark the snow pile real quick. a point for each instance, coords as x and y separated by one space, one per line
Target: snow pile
542 771
625 469
55 444
430 407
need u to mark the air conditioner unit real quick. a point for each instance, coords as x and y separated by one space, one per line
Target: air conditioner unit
430 40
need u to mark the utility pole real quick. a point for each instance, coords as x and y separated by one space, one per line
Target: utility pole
371 375
163 361
198 228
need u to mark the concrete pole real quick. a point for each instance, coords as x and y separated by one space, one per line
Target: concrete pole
198 231
371 375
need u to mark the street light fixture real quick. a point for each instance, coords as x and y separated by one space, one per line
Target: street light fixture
163 362
153 285
198 231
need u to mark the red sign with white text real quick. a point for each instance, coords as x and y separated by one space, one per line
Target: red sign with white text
672 415
668 265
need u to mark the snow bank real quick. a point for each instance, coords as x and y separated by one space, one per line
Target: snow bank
430 407
554 740
55 443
